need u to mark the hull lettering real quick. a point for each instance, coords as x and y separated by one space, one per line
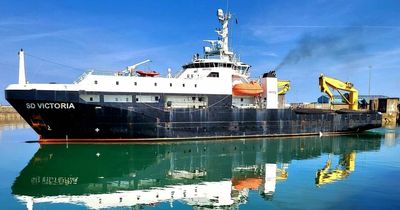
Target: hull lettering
50 106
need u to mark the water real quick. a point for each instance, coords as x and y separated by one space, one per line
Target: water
289 173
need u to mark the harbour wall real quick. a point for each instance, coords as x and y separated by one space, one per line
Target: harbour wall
8 113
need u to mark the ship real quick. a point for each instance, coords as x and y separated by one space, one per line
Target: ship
211 97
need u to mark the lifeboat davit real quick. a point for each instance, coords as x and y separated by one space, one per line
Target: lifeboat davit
247 89
147 73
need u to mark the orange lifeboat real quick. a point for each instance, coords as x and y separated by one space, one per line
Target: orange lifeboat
147 73
247 183
247 89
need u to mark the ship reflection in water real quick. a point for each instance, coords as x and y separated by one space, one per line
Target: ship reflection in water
200 174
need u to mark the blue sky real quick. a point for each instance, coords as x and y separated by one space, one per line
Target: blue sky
342 39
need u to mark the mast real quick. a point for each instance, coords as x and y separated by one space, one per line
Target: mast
21 72
220 47
223 32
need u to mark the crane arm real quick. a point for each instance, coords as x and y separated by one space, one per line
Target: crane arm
326 176
283 86
325 83
132 68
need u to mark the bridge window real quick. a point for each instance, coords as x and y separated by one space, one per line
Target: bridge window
213 74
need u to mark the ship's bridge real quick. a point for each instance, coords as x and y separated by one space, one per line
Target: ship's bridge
206 63
201 68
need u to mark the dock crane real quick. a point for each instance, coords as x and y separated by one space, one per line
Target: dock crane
325 83
283 86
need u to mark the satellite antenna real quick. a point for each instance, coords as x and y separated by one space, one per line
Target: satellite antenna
220 14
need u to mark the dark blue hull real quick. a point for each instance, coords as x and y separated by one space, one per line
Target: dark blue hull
60 115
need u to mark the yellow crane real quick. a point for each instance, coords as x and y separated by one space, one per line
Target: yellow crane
283 86
281 174
326 176
325 83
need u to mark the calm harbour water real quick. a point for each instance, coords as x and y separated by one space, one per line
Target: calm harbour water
342 172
